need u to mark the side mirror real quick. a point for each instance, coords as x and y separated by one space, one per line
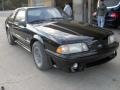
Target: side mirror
22 23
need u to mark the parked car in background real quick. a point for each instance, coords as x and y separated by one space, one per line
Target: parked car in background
55 40
112 17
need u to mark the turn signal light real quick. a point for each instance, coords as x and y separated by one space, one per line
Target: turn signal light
59 50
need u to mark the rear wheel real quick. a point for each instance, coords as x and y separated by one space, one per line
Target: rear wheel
116 26
40 56
11 39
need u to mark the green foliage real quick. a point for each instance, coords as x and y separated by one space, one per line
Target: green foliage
12 4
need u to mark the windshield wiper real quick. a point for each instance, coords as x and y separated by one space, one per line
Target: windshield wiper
57 18
38 21
43 20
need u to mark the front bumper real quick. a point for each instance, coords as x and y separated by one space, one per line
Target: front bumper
112 22
86 59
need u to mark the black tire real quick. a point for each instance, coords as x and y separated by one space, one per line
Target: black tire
40 58
115 26
11 39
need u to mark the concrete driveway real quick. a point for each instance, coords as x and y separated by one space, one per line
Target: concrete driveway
18 72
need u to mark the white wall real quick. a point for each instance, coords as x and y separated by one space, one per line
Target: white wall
78 10
39 2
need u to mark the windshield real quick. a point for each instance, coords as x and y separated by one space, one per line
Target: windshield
44 14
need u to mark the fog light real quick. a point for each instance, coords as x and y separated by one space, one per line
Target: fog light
75 65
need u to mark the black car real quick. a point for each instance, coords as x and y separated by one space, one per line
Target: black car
112 17
55 40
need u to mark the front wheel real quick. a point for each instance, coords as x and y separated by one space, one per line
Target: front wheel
40 56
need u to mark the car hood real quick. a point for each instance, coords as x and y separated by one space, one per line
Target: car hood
71 32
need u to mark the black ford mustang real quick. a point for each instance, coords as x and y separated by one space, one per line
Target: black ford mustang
55 40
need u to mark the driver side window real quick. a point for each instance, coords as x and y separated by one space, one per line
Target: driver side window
20 16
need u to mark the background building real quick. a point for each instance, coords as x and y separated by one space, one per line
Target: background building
82 9
41 2
12 4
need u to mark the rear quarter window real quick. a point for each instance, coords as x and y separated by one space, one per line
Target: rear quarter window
11 17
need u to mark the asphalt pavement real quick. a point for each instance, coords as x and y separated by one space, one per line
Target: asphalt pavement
18 71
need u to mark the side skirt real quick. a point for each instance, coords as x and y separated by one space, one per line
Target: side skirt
22 45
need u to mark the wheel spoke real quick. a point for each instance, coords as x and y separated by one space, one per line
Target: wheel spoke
37 56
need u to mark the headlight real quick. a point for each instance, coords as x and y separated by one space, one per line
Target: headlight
72 48
111 39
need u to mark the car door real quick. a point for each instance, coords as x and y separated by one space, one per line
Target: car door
20 31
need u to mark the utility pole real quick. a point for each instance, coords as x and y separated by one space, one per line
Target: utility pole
3 5
90 5
30 2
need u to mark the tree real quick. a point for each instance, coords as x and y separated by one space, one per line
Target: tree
12 4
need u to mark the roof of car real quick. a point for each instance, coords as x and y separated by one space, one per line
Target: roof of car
114 6
32 7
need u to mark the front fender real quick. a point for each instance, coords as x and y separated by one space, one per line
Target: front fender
37 37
